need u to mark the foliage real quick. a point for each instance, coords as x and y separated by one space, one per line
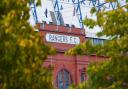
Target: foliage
112 73
22 51
81 49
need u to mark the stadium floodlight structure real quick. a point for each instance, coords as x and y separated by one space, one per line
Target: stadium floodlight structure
32 5
98 4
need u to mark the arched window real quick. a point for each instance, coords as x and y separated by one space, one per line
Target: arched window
63 79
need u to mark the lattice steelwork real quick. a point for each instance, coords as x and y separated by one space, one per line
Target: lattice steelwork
33 9
99 4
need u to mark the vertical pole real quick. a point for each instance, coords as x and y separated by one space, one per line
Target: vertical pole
34 12
79 13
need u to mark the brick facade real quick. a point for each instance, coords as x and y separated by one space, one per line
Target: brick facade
73 64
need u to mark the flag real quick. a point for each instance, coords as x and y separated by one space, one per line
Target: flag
46 13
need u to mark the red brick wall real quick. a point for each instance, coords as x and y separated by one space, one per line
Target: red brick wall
74 64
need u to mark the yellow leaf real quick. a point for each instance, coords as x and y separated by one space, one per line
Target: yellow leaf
22 42
27 71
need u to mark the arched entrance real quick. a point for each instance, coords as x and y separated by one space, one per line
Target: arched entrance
63 79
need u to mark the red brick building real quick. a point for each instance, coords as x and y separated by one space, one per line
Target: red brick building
66 69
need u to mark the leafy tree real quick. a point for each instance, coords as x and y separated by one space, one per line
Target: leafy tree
22 51
111 73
